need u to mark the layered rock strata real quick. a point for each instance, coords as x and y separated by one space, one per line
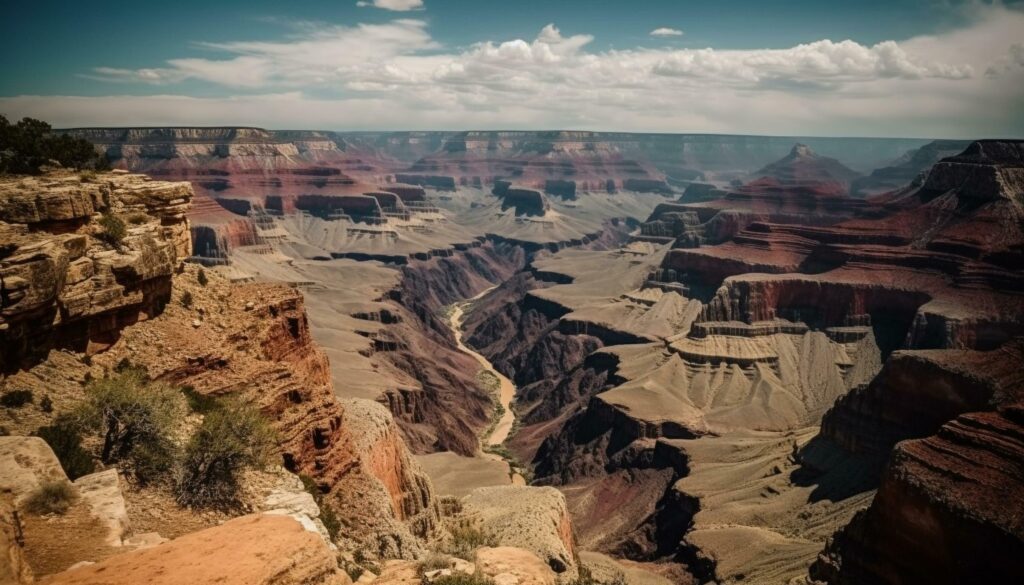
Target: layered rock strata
65 281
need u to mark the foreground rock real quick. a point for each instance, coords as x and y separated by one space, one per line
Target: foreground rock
251 550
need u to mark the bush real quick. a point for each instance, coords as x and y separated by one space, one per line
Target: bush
112 229
16 398
434 561
52 497
138 218
46 404
186 300
29 144
66 441
231 438
87 176
201 278
466 538
136 418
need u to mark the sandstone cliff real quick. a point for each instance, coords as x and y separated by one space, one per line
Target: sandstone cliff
64 282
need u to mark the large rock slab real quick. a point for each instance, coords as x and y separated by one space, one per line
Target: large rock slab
251 550
27 462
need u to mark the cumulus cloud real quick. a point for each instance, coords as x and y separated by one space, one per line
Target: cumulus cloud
665 31
395 75
394 5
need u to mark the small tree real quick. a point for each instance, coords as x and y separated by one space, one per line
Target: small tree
136 418
112 229
231 438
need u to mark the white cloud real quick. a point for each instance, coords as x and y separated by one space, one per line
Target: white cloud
665 31
395 5
394 75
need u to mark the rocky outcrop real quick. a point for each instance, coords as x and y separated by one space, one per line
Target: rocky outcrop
524 201
945 511
396 511
64 284
439 182
647 186
532 518
560 188
251 550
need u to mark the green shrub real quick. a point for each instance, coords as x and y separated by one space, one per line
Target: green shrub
136 418
29 144
52 497
198 402
66 441
231 438
186 300
201 278
16 398
112 229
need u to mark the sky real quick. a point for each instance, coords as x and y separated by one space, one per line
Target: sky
908 68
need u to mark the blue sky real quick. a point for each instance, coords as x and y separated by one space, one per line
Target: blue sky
914 68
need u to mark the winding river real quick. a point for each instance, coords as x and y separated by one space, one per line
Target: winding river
506 392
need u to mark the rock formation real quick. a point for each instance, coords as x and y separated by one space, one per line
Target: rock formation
251 550
66 282
906 168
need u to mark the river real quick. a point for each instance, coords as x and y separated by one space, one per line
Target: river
506 391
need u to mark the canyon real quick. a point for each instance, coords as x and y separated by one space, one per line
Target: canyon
654 358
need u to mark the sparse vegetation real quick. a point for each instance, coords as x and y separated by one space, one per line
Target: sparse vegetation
434 561
65 439
87 176
458 578
231 438
52 497
29 144
136 418
186 300
327 513
201 278
466 537
46 404
112 229
16 398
